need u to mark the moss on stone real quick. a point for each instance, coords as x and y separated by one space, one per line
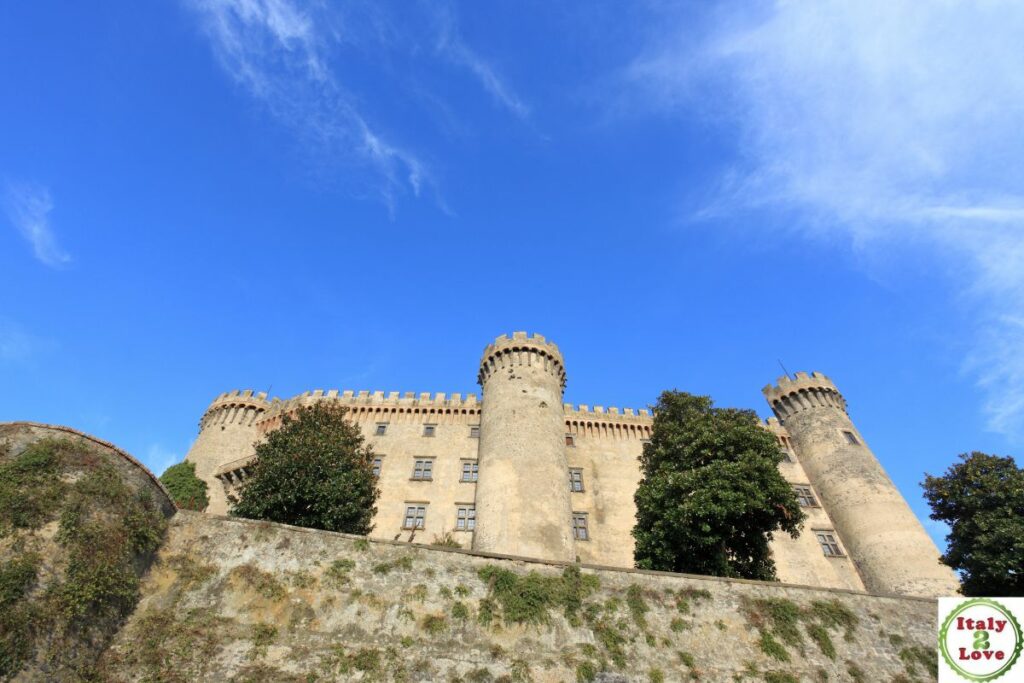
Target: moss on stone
637 605
820 636
260 581
434 624
772 647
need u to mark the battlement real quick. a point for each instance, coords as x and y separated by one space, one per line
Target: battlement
584 411
803 392
522 349
235 407
348 397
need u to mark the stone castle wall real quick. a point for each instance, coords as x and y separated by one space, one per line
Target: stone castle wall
233 599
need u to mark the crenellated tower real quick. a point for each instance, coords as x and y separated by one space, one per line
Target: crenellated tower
522 496
887 543
227 432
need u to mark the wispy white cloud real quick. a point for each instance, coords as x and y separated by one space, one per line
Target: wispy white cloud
297 57
28 208
278 51
886 122
450 42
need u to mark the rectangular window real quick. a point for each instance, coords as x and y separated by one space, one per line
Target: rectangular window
474 431
579 526
423 470
470 470
805 496
377 464
382 428
829 544
570 441
465 518
414 516
428 430
851 438
576 480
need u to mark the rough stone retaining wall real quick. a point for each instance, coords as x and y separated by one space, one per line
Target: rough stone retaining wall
232 599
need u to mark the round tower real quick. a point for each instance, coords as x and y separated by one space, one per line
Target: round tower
522 495
227 432
883 537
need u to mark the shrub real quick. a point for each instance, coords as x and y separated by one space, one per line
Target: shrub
187 490
314 471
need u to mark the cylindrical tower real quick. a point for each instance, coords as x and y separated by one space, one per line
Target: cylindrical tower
887 543
227 432
522 495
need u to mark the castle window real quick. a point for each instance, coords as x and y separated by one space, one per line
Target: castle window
576 480
423 469
805 496
429 430
474 432
465 518
414 516
382 429
570 440
470 470
579 526
851 438
377 464
829 544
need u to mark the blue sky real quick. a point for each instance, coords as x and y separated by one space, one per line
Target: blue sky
214 194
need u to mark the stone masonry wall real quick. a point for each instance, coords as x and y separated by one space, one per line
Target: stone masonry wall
233 600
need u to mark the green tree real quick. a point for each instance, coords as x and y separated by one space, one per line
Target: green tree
315 471
187 490
711 494
982 500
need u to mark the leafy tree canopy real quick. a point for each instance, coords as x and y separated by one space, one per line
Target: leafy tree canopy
314 471
982 500
711 494
187 490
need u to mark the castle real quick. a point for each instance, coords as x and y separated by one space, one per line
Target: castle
520 473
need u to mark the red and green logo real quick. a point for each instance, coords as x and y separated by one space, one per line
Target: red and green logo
980 640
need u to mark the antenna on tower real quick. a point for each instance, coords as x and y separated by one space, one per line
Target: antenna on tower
783 368
269 388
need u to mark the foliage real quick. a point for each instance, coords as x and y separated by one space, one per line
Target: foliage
434 624
711 494
528 598
170 650
445 540
107 533
260 581
918 655
187 490
403 562
314 471
460 611
17 615
262 636
30 486
982 500
337 573
637 606
778 617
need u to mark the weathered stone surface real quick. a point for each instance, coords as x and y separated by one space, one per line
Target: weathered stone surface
233 599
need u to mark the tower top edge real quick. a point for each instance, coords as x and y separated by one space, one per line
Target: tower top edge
801 380
524 340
